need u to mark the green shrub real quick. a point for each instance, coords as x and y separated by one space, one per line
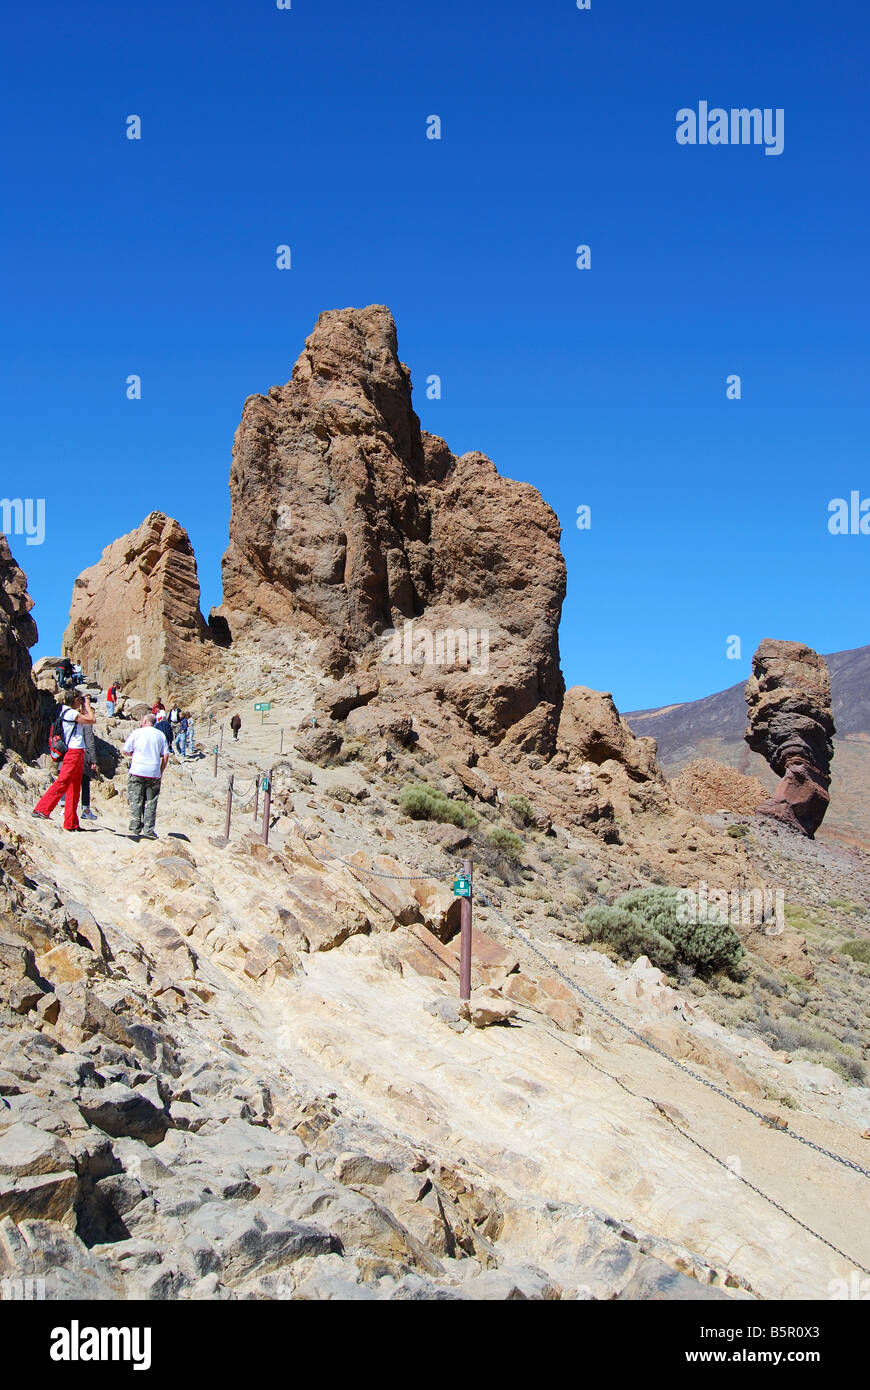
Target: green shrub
629 936
507 843
858 950
422 802
521 807
737 832
705 946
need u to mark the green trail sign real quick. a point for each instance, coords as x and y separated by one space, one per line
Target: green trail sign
462 887
262 707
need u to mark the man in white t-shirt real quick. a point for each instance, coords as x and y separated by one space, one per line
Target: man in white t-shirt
149 753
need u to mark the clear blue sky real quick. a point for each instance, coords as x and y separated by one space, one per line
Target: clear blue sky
603 387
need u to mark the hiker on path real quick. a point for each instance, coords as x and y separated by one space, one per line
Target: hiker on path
111 699
158 709
90 767
174 716
75 713
179 743
161 722
189 750
235 725
149 753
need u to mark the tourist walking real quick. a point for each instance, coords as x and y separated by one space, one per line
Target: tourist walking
190 748
90 768
179 742
111 699
235 725
148 752
67 735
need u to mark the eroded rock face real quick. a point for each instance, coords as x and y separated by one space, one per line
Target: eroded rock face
350 518
135 615
708 786
792 726
22 725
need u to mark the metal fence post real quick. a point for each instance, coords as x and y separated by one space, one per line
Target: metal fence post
267 804
215 759
222 738
282 740
465 937
256 796
229 806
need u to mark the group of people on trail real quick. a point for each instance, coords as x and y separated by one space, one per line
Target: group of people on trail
176 727
72 747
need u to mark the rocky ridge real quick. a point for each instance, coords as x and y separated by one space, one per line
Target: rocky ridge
22 712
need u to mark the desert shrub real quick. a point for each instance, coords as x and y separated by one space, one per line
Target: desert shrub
521 807
858 950
508 844
629 936
422 802
706 946
737 832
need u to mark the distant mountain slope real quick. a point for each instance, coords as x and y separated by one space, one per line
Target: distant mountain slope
714 727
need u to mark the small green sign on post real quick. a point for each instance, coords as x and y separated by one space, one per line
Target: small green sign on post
462 887
262 707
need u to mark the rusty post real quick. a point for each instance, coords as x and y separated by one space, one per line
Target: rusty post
229 805
256 795
215 759
465 937
222 738
267 804
282 740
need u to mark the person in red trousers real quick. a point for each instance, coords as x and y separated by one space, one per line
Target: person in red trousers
77 712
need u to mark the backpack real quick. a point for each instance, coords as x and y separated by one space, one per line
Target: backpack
57 736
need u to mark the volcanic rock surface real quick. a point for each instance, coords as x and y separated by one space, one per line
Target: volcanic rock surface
21 718
708 786
135 615
351 519
791 724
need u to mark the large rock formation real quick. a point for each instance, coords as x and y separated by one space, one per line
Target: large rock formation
22 724
351 519
791 725
135 615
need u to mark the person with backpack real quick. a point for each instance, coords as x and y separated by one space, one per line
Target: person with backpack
149 753
235 725
66 745
111 699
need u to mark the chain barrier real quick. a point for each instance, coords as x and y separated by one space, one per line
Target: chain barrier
654 1047
722 1164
